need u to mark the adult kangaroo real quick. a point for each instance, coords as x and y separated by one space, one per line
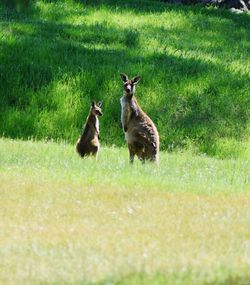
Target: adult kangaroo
140 132
88 143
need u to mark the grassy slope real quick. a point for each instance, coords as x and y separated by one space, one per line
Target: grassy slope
65 220
194 64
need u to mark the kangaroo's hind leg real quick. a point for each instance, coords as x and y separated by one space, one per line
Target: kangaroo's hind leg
140 151
142 155
94 151
131 149
81 148
153 154
148 153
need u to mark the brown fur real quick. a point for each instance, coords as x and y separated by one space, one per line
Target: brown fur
140 132
88 143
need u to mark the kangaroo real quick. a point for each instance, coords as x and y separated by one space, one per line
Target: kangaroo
88 143
140 132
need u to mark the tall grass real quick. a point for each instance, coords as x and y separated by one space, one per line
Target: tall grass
60 55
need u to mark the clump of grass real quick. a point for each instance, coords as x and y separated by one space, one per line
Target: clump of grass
131 38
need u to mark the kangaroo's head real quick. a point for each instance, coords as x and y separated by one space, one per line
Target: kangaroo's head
96 109
129 85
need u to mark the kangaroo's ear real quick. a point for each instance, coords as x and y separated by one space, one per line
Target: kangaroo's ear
99 104
93 104
136 79
124 77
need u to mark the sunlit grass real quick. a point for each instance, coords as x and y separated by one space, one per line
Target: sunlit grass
181 172
65 220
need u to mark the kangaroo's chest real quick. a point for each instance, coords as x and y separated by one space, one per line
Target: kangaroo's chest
97 126
126 109
124 106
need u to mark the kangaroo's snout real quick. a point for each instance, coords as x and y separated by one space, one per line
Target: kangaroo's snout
99 113
128 88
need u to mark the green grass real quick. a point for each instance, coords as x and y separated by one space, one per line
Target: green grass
65 220
194 64
68 221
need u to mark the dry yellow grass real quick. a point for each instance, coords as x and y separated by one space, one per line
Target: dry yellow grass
56 233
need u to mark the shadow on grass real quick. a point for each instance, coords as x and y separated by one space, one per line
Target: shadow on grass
51 71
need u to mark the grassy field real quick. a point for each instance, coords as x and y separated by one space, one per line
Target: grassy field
70 221
194 63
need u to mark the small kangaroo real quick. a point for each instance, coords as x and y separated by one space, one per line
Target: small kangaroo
88 143
140 132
